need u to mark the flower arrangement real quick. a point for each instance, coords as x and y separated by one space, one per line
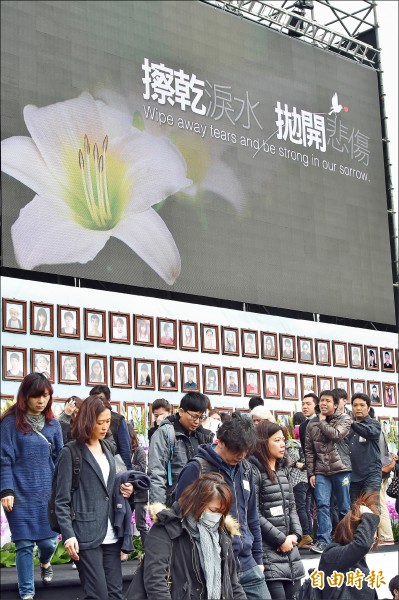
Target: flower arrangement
393 515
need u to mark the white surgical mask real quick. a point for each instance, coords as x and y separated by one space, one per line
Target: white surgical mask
210 518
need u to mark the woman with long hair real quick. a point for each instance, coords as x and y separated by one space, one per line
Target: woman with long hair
31 440
354 537
96 372
89 536
41 320
279 523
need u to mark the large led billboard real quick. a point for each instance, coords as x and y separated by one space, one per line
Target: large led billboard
174 146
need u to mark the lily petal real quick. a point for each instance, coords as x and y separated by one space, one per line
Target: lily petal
147 235
221 180
44 233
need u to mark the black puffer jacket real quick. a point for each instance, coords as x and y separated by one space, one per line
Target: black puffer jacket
277 497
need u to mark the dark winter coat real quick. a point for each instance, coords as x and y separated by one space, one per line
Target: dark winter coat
349 557
170 535
326 445
273 496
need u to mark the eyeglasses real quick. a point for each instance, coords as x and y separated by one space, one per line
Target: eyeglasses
196 417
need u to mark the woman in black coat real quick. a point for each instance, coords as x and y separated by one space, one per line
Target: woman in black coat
279 522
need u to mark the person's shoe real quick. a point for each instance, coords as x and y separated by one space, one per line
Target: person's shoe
305 542
386 543
318 547
46 573
28 597
74 566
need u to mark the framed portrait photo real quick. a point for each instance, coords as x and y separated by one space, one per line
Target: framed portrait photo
358 386
188 336
57 406
14 315
340 354
308 384
119 327
289 383
385 424
144 374
41 318
6 400
143 330
323 352
356 356
252 382
42 361
212 379
343 384
374 391
96 370
167 376
325 383
190 377
287 347
68 321
225 412
271 384
232 381
389 392
69 368
121 371
95 325
305 350
115 406
269 346
14 363
209 338
249 343
371 358
135 412
230 341
167 333
283 417
387 360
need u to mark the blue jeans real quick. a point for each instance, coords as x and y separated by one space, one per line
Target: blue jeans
326 485
254 584
24 561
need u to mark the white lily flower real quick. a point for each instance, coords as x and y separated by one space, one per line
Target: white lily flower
95 176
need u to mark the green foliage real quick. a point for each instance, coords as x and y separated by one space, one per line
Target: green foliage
7 556
60 556
395 530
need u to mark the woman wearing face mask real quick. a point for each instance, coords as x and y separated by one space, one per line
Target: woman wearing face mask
191 543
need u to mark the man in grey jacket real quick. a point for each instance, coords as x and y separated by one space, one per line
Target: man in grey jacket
328 463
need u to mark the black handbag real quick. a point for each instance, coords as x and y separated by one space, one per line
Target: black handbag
393 488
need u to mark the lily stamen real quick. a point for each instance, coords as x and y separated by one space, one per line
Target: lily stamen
97 203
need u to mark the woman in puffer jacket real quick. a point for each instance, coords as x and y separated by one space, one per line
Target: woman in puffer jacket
279 523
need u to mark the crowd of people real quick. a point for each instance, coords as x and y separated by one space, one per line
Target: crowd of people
232 497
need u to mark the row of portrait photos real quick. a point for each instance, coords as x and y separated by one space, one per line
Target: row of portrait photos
168 376
186 334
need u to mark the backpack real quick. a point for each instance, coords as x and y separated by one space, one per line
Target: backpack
76 464
206 467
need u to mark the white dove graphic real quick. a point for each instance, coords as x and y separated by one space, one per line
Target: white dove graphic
335 107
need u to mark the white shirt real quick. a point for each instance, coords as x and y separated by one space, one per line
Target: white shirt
110 537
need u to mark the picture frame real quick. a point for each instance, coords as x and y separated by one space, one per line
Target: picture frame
289 385
340 354
167 333
385 424
387 360
271 384
96 369
308 384
356 358
324 384
14 315
68 319
269 345
190 377
115 406
14 363
42 318
225 411
209 338
305 350
283 417
358 386
211 379
6 400
242 411
144 374
251 382
397 359
371 358
119 327
231 381
343 383
167 376
249 343
143 330
374 391
230 341
57 406
188 336
287 347
389 393
69 368
323 352
135 411
95 324
42 361
121 371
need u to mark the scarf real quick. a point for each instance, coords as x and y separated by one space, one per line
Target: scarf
36 421
207 543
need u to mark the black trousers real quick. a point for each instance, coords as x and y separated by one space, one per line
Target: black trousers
283 590
100 572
